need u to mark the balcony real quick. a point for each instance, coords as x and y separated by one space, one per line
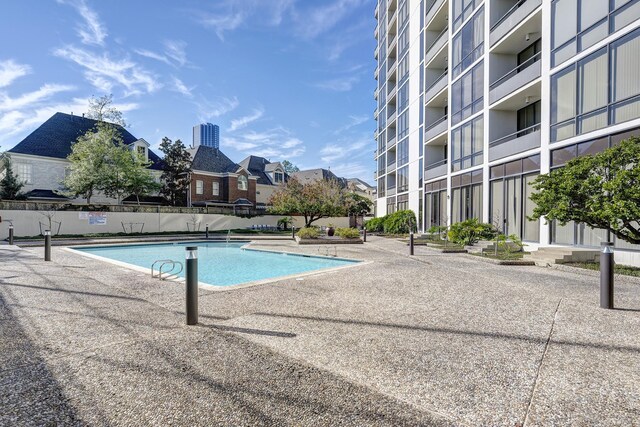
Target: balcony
435 169
520 11
514 143
391 91
375 74
391 116
391 142
439 43
376 52
391 191
375 12
433 8
439 127
437 86
518 77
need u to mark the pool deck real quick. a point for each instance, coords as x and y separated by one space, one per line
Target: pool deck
434 339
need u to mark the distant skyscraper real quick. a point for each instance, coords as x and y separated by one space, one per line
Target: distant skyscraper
207 135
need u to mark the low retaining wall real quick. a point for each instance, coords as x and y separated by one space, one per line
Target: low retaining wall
28 222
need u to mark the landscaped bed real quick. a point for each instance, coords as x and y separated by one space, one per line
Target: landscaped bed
618 269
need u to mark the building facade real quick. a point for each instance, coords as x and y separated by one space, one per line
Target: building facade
477 98
206 134
270 177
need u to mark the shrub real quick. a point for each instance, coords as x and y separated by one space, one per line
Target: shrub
308 233
375 224
470 231
348 233
284 222
400 222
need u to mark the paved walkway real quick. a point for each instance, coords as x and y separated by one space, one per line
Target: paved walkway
436 339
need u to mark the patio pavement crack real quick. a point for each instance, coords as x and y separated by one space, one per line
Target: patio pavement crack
544 353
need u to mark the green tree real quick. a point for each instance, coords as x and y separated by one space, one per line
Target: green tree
358 205
289 167
90 161
601 191
102 109
315 200
139 179
10 185
177 171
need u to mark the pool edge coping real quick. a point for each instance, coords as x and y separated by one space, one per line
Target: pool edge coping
221 288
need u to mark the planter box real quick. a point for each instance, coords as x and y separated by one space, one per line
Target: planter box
328 241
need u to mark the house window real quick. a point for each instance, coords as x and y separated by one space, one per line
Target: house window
23 170
142 151
199 187
279 177
216 188
243 183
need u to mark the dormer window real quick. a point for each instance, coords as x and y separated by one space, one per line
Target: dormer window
142 151
243 183
278 177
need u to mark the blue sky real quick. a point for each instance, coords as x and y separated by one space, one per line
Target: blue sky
285 79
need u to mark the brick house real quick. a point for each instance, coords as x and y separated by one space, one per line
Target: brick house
271 176
217 181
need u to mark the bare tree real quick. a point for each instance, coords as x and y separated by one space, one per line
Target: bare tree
102 109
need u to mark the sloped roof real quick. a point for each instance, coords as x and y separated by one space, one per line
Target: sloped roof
55 137
312 175
359 182
258 166
211 159
44 194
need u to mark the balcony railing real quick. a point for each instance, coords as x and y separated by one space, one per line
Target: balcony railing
514 135
438 79
508 14
521 67
437 122
437 41
391 166
391 142
520 11
435 164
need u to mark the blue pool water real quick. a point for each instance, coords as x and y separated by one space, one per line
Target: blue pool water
219 263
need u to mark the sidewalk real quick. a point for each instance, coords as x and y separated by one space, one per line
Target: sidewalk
436 339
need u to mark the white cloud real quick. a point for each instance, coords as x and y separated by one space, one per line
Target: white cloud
313 22
174 53
275 144
352 170
28 100
208 110
232 14
244 121
91 31
345 149
180 87
354 121
342 84
104 72
11 70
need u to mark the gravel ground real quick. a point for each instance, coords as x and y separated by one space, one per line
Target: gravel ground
433 339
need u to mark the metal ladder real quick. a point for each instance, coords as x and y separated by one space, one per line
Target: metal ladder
170 272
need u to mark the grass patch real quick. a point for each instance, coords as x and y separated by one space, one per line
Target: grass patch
618 269
502 256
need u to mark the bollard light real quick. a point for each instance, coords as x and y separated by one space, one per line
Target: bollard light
411 243
206 232
606 275
11 234
191 279
47 245
293 231
364 234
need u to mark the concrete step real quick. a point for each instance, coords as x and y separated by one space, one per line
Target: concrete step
561 255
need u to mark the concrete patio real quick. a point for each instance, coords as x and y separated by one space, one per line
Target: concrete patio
434 339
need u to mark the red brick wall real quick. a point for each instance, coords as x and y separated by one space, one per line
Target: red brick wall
229 191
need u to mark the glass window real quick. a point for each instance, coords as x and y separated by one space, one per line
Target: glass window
243 183
279 177
403 152
462 9
215 188
23 172
625 63
467 94
467 143
403 179
565 21
528 118
199 187
468 44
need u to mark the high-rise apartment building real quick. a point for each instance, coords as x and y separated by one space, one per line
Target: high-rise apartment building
476 98
206 134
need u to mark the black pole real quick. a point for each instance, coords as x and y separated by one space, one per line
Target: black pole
411 243
47 245
606 275
11 234
293 231
191 280
206 232
364 234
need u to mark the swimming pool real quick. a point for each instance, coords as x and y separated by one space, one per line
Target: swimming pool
219 263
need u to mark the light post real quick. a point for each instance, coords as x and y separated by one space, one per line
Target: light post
191 280
411 243
606 275
11 234
293 231
206 231
47 245
364 234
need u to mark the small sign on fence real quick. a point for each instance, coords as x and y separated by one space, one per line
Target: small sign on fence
97 218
